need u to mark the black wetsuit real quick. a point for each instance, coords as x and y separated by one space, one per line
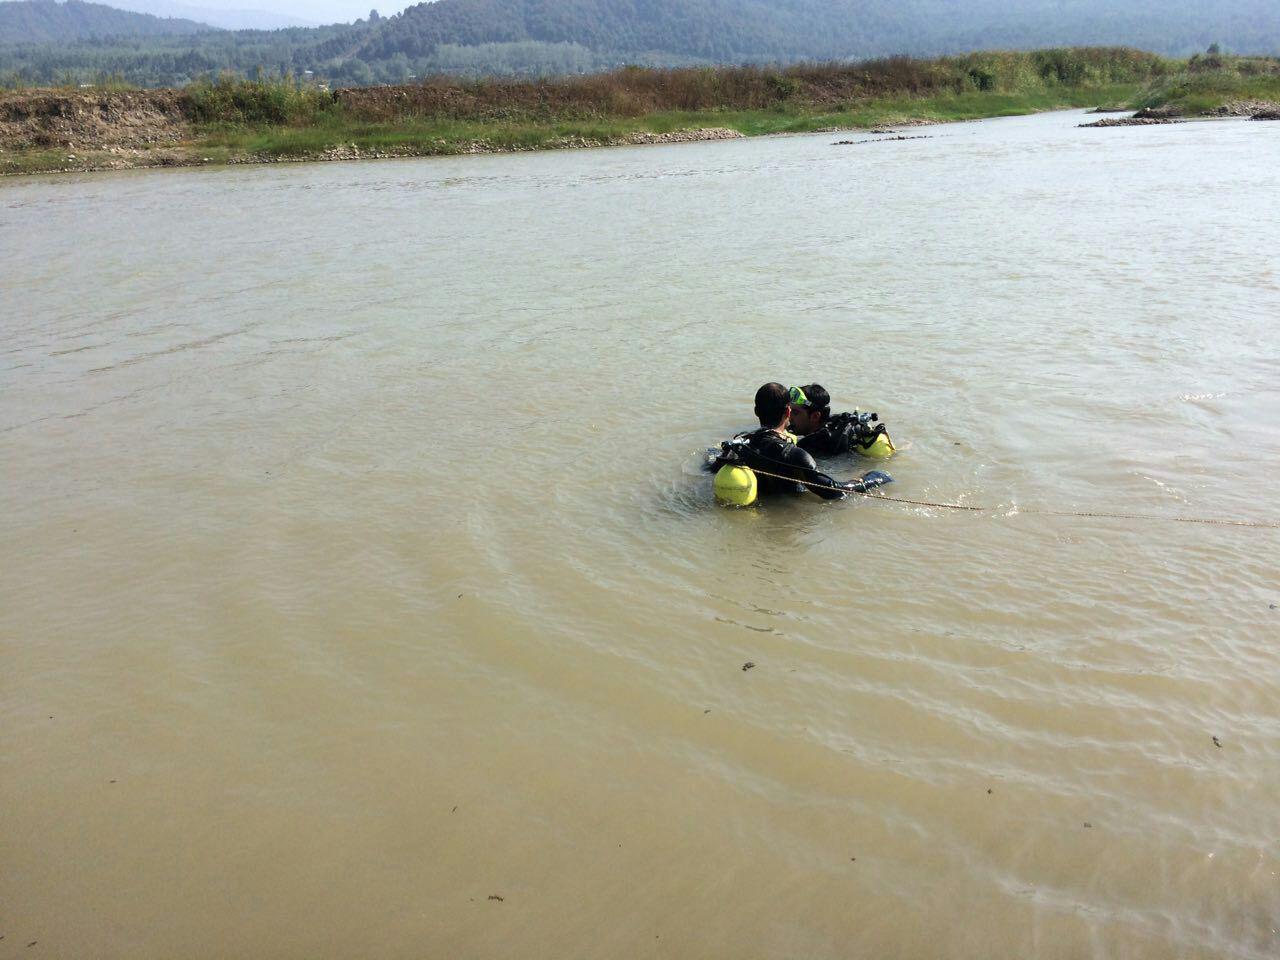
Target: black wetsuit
833 439
768 451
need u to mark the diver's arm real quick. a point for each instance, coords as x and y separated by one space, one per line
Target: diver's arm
814 480
829 489
868 481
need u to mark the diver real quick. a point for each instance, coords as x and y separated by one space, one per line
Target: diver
823 434
768 462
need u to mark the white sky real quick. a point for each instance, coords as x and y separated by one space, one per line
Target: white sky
318 11
313 11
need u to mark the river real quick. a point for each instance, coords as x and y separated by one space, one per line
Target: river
362 594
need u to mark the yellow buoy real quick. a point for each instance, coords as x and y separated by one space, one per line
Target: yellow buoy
881 448
736 486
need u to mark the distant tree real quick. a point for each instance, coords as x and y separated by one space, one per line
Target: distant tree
374 16
395 70
1214 50
358 72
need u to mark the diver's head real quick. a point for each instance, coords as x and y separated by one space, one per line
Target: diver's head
810 408
773 406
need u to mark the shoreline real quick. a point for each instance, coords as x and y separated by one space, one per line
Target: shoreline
192 154
89 131
117 157
185 156
236 122
352 153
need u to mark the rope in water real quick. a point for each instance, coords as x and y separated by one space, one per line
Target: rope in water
1215 521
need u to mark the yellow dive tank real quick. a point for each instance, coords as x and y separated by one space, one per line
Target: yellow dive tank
881 448
736 486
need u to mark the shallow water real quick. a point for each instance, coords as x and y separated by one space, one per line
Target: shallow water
358 569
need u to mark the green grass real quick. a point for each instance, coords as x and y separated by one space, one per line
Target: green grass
1197 94
1204 84
15 162
34 161
442 136
233 118
231 100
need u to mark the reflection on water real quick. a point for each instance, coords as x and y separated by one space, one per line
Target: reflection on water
359 566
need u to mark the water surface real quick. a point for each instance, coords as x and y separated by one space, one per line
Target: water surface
358 569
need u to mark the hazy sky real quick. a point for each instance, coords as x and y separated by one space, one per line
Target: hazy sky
317 11
321 11
313 11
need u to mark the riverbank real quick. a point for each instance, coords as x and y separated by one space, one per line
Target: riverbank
137 135
237 121
1209 88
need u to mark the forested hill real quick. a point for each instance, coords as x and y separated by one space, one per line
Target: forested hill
712 30
578 36
43 21
734 30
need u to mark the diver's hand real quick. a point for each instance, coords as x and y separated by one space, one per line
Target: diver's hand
869 481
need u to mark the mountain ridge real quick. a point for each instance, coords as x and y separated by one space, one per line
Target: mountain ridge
44 21
556 37
735 30
240 18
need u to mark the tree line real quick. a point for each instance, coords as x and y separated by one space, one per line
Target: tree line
554 37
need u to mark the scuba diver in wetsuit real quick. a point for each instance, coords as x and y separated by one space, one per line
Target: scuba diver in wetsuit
823 434
778 464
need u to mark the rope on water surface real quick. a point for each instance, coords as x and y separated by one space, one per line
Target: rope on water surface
1214 521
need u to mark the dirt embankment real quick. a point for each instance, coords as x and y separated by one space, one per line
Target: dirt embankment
96 130
52 119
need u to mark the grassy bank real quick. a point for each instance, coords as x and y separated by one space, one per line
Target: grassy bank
340 136
1204 84
431 135
236 120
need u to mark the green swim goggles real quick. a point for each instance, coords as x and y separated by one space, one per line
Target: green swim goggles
796 398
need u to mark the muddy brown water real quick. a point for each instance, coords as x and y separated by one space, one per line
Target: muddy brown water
361 594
